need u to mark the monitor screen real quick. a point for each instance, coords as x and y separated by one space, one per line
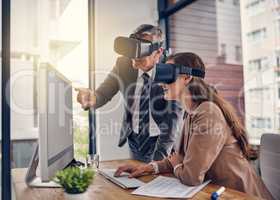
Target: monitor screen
60 136
55 122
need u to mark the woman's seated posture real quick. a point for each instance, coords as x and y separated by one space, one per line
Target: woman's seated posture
213 143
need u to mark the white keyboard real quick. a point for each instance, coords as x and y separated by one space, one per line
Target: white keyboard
123 180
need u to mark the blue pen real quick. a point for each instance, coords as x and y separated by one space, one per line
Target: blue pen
215 195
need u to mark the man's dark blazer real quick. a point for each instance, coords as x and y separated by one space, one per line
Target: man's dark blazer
123 78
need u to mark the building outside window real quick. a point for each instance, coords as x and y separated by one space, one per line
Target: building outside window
277 2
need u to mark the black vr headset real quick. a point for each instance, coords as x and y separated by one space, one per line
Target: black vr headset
134 46
168 73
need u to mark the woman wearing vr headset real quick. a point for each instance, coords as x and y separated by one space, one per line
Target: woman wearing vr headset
213 144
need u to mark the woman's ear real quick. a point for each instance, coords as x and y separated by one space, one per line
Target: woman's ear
187 79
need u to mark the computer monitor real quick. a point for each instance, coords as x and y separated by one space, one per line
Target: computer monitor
56 148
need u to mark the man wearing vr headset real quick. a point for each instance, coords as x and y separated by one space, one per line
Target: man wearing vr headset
149 122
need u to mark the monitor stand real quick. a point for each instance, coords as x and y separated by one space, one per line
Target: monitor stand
31 179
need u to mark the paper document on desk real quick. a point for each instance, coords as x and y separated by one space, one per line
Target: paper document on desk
123 180
167 187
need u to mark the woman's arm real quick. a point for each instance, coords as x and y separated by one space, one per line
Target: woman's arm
165 166
207 140
135 170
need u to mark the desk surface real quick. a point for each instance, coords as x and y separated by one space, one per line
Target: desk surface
103 189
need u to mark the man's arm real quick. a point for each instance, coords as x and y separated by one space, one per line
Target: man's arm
110 86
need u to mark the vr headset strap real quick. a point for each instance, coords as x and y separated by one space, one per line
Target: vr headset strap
191 71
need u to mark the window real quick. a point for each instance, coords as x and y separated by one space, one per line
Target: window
261 123
258 64
257 35
256 94
267 93
236 2
61 40
254 3
253 125
223 50
238 53
277 59
268 123
255 7
278 26
277 64
278 121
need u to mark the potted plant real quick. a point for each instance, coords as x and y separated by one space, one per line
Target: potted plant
75 182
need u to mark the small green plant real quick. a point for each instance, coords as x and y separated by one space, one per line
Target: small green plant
74 180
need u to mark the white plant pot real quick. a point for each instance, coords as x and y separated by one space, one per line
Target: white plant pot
82 196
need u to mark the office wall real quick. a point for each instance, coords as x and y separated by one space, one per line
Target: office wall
114 18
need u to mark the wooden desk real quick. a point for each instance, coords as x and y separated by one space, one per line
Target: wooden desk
103 189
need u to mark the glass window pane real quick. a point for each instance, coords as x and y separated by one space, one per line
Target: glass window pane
260 36
45 31
239 41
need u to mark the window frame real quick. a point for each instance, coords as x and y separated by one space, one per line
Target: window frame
5 92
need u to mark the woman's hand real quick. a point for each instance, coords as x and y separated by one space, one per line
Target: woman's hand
175 159
135 170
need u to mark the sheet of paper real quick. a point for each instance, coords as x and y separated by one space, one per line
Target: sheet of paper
123 180
167 187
